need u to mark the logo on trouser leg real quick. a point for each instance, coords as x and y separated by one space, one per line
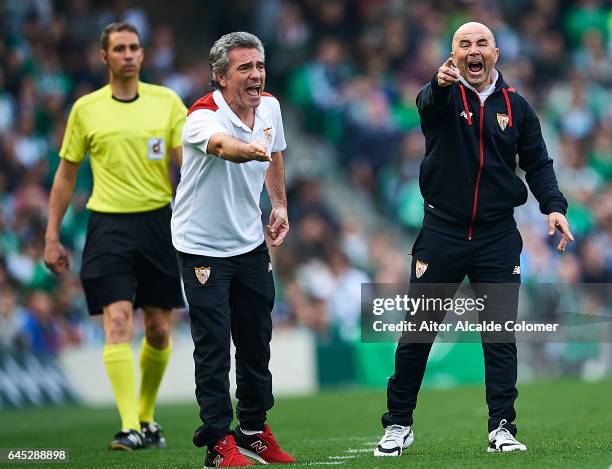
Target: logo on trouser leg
202 274
420 268
516 270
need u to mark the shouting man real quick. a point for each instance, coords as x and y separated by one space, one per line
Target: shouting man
474 125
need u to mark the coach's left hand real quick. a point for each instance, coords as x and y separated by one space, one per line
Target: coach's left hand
557 221
277 226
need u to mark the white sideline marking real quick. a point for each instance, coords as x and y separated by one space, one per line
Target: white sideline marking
336 460
325 462
346 438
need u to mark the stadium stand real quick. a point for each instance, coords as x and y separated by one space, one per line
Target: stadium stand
348 72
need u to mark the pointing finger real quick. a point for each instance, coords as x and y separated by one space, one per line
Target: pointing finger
551 225
564 227
562 243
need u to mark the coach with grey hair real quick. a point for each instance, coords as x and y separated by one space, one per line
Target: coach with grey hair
233 141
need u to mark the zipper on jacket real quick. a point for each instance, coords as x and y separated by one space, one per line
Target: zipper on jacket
480 166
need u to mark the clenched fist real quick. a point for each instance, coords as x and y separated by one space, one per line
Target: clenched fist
56 257
257 151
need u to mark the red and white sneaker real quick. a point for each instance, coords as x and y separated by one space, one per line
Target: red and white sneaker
262 447
225 454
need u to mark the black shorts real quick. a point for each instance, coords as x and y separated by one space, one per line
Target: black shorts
130 257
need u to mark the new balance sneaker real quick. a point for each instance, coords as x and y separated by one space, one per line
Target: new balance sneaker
152 434
225 454
395 440
261 446
501 439
128 440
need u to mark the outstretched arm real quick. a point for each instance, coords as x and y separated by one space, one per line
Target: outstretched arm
231 149
435 95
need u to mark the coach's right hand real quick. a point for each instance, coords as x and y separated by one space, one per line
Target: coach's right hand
257 151
56 257
448 73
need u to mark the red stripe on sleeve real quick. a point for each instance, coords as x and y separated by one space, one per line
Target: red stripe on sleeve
205 102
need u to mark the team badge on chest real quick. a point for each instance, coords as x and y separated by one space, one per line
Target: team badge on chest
502 120
268 134
202 274
420 268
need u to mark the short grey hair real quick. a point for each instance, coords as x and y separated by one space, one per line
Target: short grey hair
219 52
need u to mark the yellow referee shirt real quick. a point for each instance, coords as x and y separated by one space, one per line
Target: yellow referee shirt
128 144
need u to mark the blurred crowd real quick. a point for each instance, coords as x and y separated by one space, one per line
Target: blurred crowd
351 69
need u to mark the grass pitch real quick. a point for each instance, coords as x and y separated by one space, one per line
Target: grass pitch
563 423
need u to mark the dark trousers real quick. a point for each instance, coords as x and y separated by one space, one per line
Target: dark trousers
486 262
231 296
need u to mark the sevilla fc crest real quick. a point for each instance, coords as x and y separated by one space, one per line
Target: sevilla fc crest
202 274
502 120
268 133
420 268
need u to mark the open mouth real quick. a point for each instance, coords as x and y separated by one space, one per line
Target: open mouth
254 90
475 66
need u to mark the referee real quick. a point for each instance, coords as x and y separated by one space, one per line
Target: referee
129 129
474 124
